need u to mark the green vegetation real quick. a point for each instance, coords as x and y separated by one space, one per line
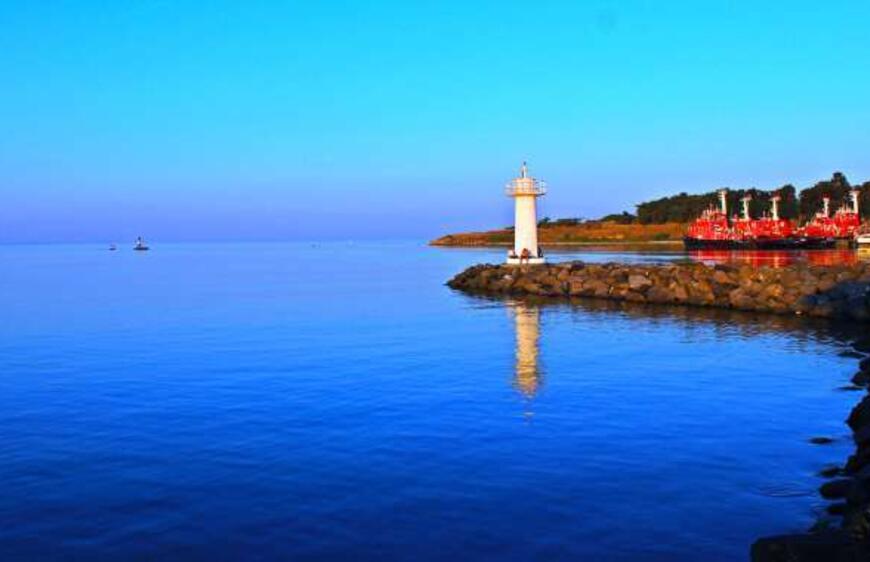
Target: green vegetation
685 208
837 188
620 218
501 238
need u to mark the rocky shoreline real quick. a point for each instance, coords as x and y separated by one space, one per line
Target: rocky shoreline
841 291
848 488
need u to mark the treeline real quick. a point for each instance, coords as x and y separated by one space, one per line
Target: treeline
837 188
796 206
685 207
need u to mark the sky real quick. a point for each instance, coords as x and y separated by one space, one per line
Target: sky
395 119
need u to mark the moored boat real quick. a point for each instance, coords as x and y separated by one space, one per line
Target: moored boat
714 231
785 243
140 246
843 225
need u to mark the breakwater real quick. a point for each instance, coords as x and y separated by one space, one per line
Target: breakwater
840 291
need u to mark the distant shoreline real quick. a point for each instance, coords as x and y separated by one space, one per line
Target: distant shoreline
588 244
584 234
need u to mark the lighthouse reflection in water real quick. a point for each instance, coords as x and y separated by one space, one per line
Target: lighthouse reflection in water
527 372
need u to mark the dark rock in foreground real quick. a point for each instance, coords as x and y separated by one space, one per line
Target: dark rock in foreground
823 291
833 547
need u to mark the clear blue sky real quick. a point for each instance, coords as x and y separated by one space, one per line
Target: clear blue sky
305 120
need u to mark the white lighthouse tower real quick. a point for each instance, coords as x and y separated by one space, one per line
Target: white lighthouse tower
525 190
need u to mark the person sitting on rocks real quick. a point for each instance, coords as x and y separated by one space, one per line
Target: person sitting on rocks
525 255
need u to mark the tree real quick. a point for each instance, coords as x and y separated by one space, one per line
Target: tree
619 218
837 188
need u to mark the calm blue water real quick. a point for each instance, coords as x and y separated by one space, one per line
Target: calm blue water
337 401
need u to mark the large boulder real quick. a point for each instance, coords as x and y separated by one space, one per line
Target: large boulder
860 415
638 282
810 547
836 489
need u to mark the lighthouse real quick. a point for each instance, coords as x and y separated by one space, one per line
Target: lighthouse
525 191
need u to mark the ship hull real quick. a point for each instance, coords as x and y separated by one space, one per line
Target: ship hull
760 244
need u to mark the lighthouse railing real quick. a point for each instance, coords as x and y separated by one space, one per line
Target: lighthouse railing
516 187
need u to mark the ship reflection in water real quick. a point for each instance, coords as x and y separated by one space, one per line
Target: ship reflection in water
527 374
778 258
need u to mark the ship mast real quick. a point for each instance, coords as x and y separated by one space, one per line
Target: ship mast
774 206
745 200
723 201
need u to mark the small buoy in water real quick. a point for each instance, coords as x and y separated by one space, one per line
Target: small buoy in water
112 247
140 246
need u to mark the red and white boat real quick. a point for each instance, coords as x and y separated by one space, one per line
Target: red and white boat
713 230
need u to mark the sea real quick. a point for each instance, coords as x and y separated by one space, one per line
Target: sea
336 401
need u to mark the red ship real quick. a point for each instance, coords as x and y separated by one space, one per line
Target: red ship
714 231
843 225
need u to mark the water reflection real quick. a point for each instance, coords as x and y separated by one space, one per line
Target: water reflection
714 391
778 258
527 321
728 323
725 323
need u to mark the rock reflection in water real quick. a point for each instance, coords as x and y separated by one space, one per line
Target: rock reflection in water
724 321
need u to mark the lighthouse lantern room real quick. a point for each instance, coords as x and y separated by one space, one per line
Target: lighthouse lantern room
525 191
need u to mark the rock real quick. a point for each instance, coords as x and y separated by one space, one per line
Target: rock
824 291
659 294
838 508
596 288
857 524
836 489
859 460
859 492
862 345
833 546
632 296
850 387
638 282
830 471
722 278
862 436
575 287
861 378
860 415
